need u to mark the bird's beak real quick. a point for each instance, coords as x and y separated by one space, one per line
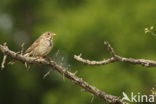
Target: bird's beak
53 34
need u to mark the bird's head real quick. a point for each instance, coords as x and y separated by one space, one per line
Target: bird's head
49 35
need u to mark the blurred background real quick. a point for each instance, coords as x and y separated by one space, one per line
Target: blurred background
81 27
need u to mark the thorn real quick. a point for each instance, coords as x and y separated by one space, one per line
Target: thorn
75 73
56 55
92 98
80 54
5 43
83 90
18 52
26 65
68 66
45 75
22 44
22 50
81 79
11 62
62 60
3 62
74 82
105 42
63 76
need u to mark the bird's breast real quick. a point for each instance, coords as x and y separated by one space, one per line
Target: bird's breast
51 42
45 47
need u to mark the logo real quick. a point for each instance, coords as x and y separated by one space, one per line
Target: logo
153 91
138 97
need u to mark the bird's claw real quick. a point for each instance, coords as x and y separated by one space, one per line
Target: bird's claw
39 58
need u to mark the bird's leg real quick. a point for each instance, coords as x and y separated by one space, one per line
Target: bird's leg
47 58
39 57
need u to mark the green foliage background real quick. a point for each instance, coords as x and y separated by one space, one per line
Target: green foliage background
81 27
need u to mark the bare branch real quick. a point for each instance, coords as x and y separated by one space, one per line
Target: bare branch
63 71
116 58
20 52
103 62
110 49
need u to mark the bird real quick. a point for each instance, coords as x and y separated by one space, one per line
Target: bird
42 46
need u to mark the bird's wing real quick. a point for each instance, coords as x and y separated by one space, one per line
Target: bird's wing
34 45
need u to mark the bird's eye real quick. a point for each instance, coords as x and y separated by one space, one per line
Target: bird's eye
48 33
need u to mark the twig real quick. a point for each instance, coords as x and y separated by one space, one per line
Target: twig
116 58
78 81
89 62
20 52
110 49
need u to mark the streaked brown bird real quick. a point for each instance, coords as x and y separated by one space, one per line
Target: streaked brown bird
42 46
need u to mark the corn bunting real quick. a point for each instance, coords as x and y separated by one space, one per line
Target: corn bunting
42 46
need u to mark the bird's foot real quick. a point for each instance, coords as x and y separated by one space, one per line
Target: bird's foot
47 58
39 58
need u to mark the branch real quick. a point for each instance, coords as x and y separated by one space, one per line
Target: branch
71 76
85 61
116 58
